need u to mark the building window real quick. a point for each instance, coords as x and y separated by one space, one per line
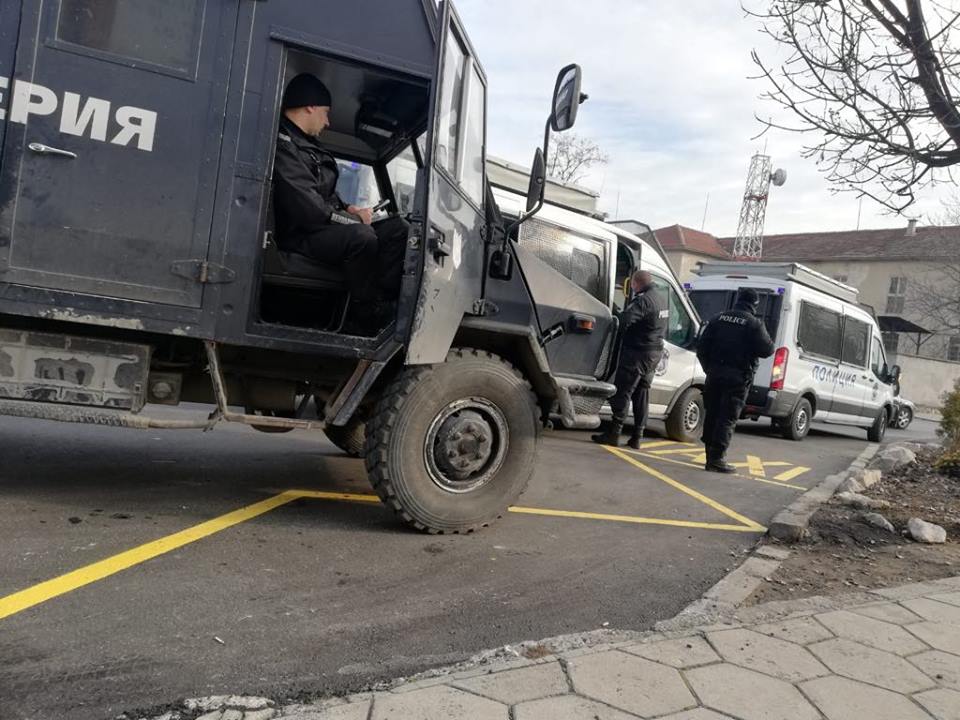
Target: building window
841 278
891 341
897 296
953 349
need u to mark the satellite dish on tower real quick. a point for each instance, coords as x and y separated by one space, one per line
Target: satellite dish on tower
779 177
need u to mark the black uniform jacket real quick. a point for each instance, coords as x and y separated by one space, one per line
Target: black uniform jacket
732 343
304 186
644 321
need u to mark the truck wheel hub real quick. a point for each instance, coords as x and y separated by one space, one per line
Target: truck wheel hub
466 445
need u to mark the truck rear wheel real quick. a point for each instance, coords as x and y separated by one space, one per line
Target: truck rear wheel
450 447
351 438
685 421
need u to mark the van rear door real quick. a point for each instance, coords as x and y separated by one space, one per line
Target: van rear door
110 159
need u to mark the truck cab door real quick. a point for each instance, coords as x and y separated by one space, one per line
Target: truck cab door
451 228
110 156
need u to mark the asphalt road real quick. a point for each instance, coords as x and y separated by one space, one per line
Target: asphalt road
321 596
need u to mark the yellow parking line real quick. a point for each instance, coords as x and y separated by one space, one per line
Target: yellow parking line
660 443
50 589
792 473
710 502
19 601
631 519
700 467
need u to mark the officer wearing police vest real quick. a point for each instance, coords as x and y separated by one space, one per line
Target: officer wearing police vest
643 324
313 220
729 349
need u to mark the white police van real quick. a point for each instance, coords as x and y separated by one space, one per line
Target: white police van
601 257
829 363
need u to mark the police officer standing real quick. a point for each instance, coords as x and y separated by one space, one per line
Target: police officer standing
643 324
313 220
729 350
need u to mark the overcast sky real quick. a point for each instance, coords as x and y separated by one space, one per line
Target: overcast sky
671 102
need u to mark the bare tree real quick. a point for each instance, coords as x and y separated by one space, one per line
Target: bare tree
878 81
572 156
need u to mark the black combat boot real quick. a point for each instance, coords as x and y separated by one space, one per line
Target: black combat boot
611 436
717 463
634 441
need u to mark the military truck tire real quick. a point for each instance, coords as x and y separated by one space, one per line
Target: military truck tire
351 438
685 421
451 446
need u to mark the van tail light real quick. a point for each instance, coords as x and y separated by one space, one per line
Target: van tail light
779 368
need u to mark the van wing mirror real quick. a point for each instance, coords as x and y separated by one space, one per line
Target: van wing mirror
538 179
567 98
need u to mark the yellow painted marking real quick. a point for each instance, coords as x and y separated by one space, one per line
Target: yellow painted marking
19 601
701 459
660 443
723 509
50 589
792 473
755 465
689 450
631 519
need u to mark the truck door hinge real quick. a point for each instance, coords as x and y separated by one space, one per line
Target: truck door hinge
206 273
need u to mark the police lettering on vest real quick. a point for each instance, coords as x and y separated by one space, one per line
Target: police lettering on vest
93 118
733 319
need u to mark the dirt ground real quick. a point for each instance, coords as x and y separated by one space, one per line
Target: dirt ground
843 553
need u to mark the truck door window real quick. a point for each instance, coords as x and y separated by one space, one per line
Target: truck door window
403 176
473 142
163 33
625 267
680 324
578 258
357 184
820 332
451 106
856 341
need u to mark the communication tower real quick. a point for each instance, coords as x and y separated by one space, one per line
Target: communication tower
749 243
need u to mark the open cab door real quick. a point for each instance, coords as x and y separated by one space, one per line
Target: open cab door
452 229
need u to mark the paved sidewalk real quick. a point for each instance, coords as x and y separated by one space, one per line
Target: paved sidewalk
880 655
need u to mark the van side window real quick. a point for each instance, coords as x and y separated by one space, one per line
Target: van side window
680 324
161 33
856 341
876 358
820 331
578 258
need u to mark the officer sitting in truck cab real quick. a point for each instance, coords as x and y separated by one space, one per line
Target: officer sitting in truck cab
312 220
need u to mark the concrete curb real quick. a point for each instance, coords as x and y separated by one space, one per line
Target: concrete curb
790 524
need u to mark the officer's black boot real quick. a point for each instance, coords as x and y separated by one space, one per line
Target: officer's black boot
611 436
635 439
717 463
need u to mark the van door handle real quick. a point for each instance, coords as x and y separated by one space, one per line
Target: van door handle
42 149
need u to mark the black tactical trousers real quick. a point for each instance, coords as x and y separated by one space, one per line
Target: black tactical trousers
371 256
724 398
634 375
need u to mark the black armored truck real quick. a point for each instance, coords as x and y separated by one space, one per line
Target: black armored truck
139 264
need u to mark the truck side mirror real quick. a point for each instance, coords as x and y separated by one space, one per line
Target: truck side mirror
538 179
566 98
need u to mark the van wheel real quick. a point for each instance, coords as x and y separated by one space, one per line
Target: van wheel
685 421
879 428
903 418
450 447
350 438
797 426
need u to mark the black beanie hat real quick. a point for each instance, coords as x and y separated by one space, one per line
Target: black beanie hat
306 90
748 296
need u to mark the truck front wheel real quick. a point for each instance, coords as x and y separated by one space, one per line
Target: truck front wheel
450 447
351 438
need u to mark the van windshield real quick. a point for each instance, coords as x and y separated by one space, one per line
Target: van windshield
710 303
